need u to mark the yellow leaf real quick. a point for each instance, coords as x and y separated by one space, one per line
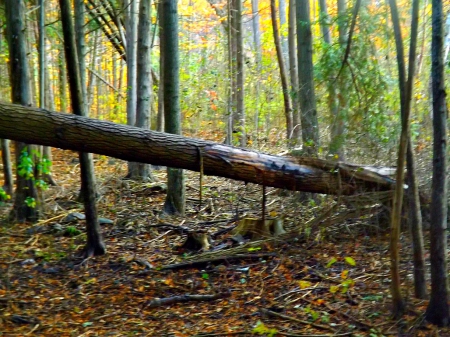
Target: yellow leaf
350 261
344 274
334 289
304 284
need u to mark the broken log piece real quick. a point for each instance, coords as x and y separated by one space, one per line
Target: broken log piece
157 302
256 229
197 240
70 132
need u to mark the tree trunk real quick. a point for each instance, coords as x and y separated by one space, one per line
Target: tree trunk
308 111
258 55
143 82
7 167
160 116
438 309
45 88
75 133
175 199
81 46
293 74
26 203
414 215
62 82
94 245
131 21
240 108
283 40
405 88
335 142
283 74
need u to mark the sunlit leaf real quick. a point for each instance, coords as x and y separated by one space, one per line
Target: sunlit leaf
331 262
304 284
334 289
350 261
344 274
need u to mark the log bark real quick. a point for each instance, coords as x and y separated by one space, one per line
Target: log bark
77 133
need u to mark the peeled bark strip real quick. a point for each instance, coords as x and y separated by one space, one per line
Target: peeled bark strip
77 133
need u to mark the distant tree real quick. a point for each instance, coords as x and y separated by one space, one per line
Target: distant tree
94 245
45 87
258 58
438 308
333 106
143 82
160 114
405 89
307 97
131 21
26 203
175 199
283 39
240 108
293 73
283 72
338 103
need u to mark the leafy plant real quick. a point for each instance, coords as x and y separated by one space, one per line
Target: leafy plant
346 281
261 329
3 195
31 202
72 231
27 167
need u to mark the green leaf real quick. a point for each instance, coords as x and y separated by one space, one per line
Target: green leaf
85 324
350 261
331 262
205 276
254 249
334 289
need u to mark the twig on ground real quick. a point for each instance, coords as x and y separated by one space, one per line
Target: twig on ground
157 302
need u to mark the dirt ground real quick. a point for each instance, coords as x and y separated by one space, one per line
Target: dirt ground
328 278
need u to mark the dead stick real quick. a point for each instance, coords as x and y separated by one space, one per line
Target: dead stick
156 302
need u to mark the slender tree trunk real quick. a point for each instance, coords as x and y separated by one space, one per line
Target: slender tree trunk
333 106
231 39
131 21
62 82
308 111
283 73
81 45
143 81
414 215
94 245
27 205
7 167
240 108
405 88
6 153
92 78
438 308
293 74
44 84
175 199
160 116
283 39
337 144
258 54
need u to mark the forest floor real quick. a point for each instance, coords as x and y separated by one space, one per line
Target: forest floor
330 279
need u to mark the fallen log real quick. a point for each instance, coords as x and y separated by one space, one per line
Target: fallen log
70 132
